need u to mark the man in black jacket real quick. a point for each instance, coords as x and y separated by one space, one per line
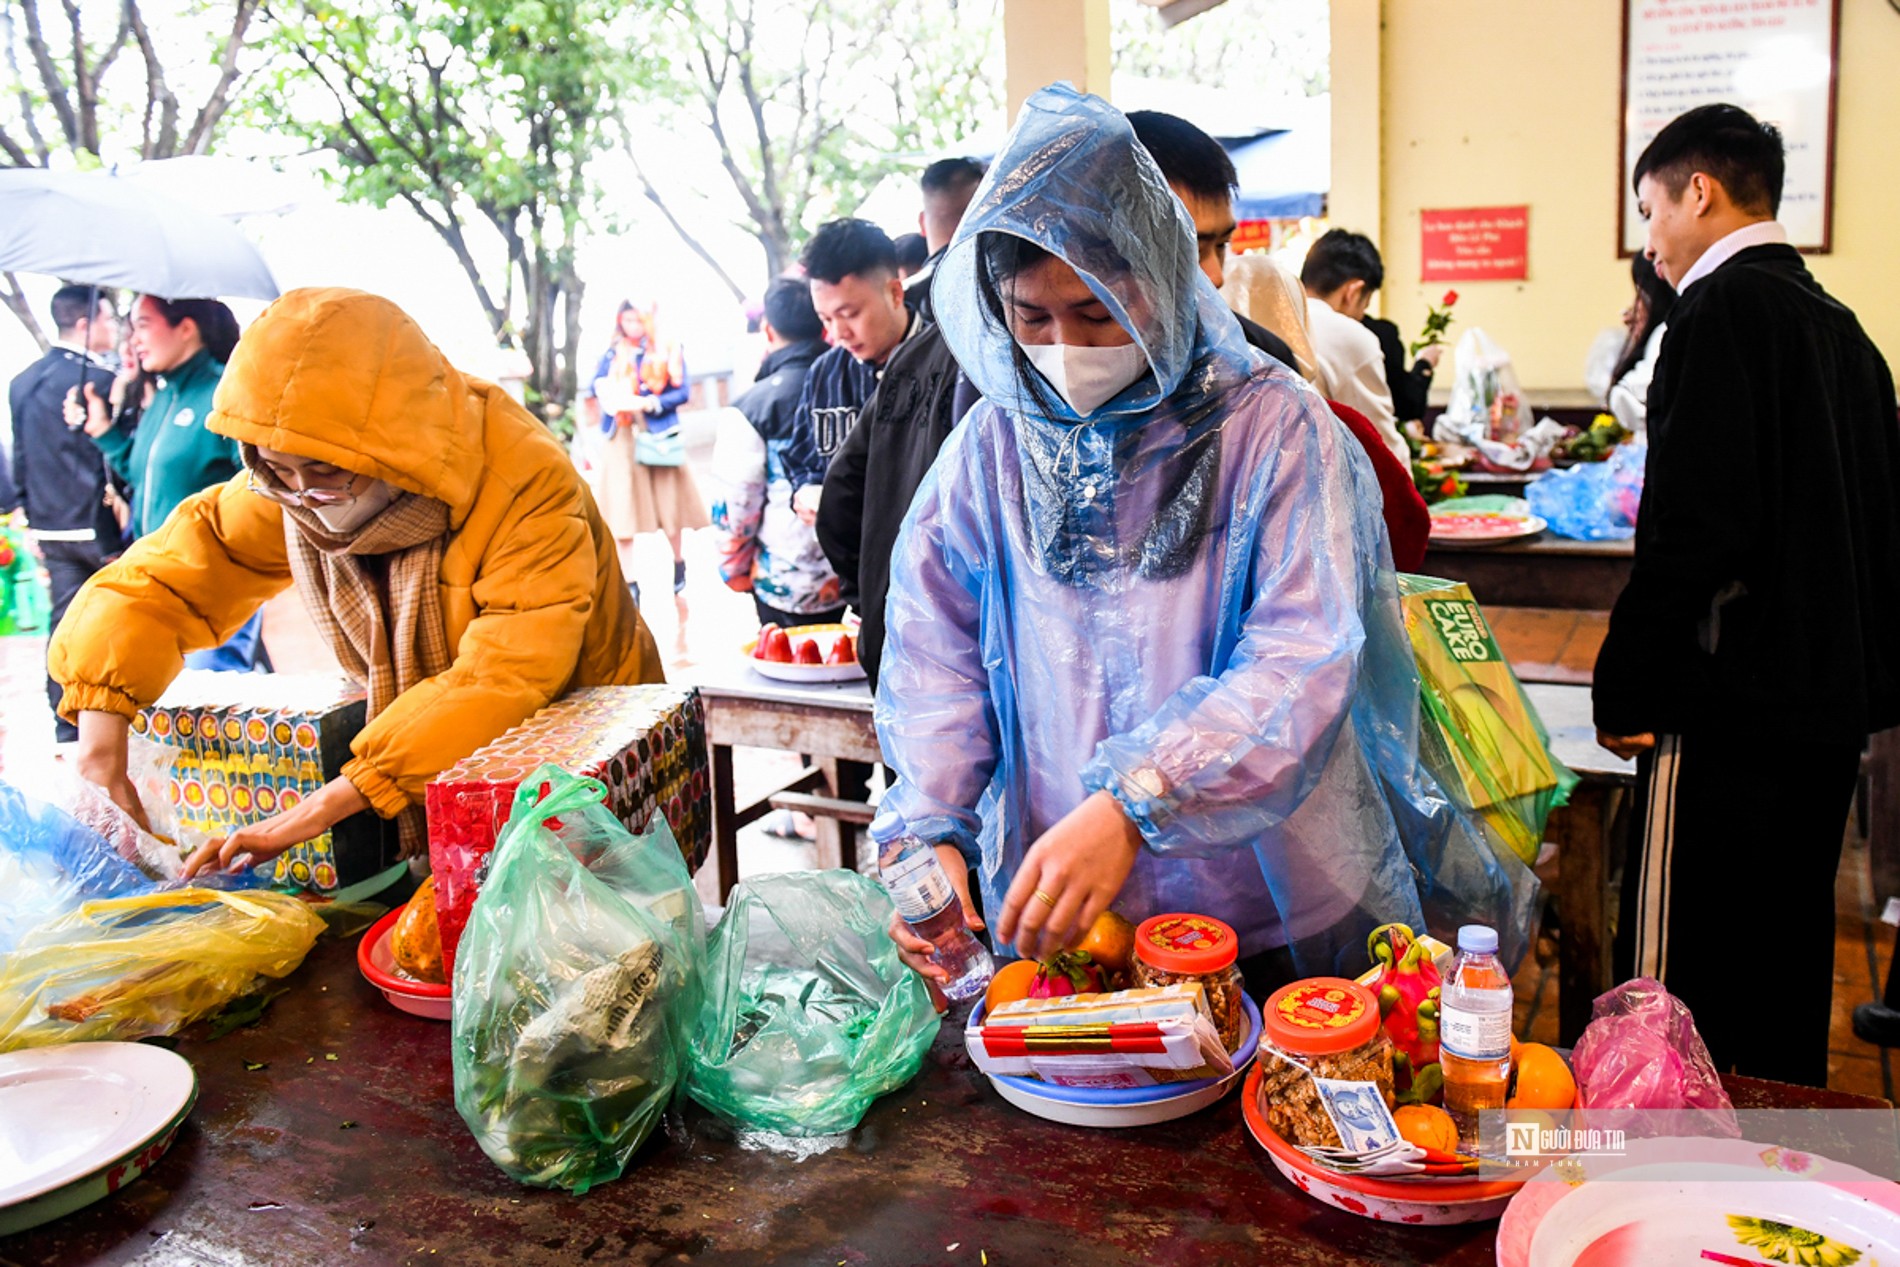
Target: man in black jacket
60 477
1758 641
947 186
1410 388
852 267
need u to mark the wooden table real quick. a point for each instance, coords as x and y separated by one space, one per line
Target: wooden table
265 1172
1546 571
1584 832
829 723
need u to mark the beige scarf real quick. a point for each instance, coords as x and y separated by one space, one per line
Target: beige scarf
376 597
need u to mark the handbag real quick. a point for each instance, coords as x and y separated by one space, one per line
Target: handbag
659 448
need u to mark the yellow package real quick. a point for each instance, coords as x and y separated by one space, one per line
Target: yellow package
131 967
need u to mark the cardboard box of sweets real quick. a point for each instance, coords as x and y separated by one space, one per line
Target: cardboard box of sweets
646 743
246 746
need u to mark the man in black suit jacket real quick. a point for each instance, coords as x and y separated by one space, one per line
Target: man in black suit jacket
57 470
1757 643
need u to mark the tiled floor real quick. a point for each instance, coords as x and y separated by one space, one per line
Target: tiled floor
709 620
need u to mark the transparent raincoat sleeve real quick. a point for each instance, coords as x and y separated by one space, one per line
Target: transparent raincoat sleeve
1229 758
936 712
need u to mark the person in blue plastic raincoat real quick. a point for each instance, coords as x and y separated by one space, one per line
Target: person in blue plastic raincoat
1145 645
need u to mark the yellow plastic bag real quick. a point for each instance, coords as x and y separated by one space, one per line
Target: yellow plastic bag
132 967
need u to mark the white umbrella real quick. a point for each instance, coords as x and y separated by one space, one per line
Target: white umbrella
97 229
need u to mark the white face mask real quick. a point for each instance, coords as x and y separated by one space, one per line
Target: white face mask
343 520
1087 378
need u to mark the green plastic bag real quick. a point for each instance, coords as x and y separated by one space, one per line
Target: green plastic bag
809 1014
576 984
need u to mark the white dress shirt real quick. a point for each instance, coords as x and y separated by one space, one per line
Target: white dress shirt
1760 233
1354 367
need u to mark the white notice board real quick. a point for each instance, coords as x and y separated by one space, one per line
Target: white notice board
1777 59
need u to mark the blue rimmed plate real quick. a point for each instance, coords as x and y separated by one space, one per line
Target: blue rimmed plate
1126 1106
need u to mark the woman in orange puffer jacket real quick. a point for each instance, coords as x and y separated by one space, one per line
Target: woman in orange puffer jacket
438 534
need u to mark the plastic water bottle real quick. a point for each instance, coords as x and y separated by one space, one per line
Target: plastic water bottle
1474 1038
921 890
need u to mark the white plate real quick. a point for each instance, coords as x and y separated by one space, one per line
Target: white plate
88 1111
824 635
1670 1200
1531 526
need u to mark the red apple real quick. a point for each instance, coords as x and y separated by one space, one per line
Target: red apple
808 652
842 652
765 637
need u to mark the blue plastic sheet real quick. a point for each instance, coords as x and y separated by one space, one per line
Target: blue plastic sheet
50 863
1186 599
1593 501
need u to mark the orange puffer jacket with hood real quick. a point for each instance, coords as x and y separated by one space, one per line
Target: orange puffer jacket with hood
532 594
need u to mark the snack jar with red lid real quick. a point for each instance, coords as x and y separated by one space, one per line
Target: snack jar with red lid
1322 1029
1182 947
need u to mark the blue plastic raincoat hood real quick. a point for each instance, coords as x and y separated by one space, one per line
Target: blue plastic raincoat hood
1082 188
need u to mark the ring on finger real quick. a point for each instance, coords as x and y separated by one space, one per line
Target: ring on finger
1040 896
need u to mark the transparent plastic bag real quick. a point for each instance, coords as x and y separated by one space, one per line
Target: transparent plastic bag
576 983
150 963
1593 501
810 1015
1641 1052
149 766
1486 402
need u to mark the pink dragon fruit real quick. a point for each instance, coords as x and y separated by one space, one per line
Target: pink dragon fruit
1408 987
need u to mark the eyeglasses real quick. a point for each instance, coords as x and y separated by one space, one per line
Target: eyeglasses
318 495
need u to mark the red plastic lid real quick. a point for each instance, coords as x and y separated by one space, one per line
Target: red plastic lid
1189 944
1320 1016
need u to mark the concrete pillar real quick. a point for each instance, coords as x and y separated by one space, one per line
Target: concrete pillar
1048 40
1357 200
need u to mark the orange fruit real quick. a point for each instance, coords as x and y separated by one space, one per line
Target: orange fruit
1110 943
1540 1079
1428 1126
1010 983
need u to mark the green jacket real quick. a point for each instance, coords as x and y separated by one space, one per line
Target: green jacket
171 455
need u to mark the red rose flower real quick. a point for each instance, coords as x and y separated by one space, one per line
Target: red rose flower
1451 297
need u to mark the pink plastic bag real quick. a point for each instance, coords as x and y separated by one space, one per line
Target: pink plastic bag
1642 1052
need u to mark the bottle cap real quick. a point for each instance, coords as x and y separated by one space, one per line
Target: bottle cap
1192 945
1477 939
1321 1016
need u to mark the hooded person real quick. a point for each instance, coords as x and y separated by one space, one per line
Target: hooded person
437 533
1144 639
